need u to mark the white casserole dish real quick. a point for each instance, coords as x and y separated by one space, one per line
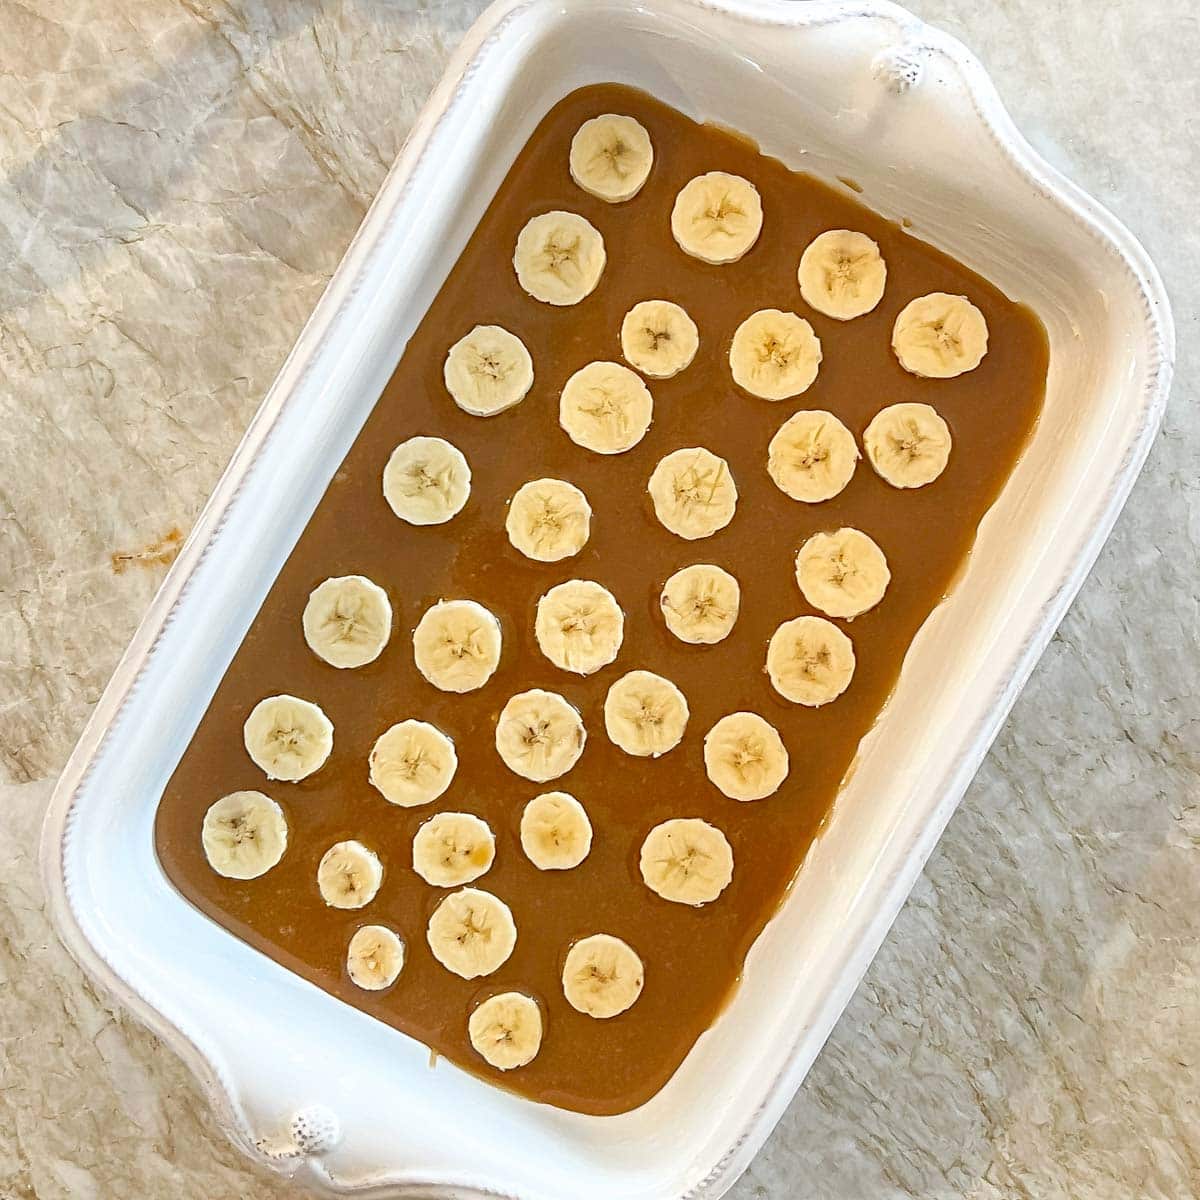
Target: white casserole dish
850 89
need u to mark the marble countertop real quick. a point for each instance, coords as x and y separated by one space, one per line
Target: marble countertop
178 178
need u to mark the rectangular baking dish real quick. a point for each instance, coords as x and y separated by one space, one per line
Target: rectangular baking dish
853 89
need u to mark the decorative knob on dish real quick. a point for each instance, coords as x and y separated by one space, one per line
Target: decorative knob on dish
312 1131
899 67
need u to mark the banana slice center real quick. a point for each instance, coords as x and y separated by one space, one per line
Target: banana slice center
558 255
721 214
698 485
608 411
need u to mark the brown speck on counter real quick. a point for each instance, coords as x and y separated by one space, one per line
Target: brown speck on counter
159 553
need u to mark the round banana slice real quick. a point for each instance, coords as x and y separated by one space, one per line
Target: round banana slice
693 492
717 217
605 407
774 354
659 338
288 738
245 835
374 958
548 520
579 626
842 274
812 456
810 661
645 714
426 481
556 834
453 848
745 757
602 976
506 1030
349 875
687 860
456 645
412 763
908 444
700 604
539 735
843 573
559 257
611 157
940 336
488 370
347 621
472 933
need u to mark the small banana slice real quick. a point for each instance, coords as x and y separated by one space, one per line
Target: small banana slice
717 217
810 661
347 621
559 257
745 757
472 933
700 604
374 958
812 456
693 492
288 738
602 976
659 338
506 1030
426 481
245 835
412 763
579 626
686 860
556 834
349 875
453 848
908 444
488 370
774 354
548 520
843 573
645 714
457 645
842 274
605 407
539 735
940 336
611 157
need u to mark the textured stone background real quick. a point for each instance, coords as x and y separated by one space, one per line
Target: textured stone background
177 181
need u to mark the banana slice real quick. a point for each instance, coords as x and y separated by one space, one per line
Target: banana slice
349 875
908 444
611 157
774 354
812 456
659 338
717 217
488 370
555 832
700 604
605 407
693 492
539 735
745 757
548 520
456 645
645 714
374 957
842 274
506 1030
347 621
843 573
412 763
602 976
472 933
245 835
579 626
559 257
288 738
687 860
426 481
810 661
940 336
453 848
